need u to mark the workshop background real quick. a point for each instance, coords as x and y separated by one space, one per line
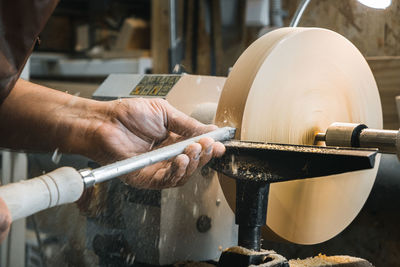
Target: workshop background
86 40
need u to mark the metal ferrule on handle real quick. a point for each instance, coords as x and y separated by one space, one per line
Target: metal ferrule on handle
92 177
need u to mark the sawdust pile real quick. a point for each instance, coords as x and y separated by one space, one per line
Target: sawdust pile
323 260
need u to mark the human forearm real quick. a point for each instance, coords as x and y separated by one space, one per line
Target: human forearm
34 117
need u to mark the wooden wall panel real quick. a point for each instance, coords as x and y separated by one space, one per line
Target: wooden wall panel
375 32
386 71
160 35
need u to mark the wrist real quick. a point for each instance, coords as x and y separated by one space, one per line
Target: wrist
79 124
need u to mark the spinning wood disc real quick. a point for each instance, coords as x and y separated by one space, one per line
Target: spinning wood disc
287 86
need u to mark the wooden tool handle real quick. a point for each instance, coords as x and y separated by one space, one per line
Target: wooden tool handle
64 185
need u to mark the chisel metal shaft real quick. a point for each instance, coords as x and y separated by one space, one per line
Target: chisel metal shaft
92 177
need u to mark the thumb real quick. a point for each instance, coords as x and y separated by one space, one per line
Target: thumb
184 125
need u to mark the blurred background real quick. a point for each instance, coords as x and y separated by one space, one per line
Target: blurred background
85 40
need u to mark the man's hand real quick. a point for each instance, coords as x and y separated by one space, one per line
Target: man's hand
5 220
135 126
34 117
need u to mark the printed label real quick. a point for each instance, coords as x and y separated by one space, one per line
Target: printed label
155 85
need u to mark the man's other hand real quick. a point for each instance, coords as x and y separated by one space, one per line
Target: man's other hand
5 220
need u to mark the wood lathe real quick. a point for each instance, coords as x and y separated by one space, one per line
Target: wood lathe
289 92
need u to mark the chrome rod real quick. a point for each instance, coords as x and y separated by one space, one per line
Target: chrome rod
299 13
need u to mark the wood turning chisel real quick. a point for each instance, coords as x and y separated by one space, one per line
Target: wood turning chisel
66 184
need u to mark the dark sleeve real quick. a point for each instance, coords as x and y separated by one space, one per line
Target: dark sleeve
20 24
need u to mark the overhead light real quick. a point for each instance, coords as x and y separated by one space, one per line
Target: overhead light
379 4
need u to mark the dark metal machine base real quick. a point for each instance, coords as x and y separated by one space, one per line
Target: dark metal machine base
242 257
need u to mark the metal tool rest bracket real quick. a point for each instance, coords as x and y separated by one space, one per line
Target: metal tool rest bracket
251 215
255 166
